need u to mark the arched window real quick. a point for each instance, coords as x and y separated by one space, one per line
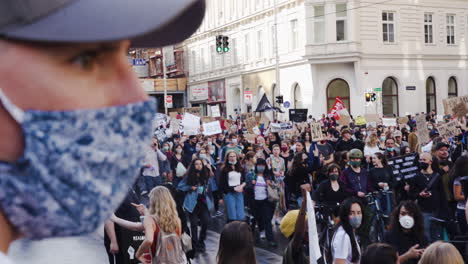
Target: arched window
296 96
338 87
390 97
452 87
430 95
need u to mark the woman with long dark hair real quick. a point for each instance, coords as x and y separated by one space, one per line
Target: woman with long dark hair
331 191
344 247
197 200
178 165
236 244
406 232
381 176
299 176
232 182
306 138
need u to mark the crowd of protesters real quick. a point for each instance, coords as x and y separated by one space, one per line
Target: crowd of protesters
263 180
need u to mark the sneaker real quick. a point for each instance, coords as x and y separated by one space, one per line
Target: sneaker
219 213
262 235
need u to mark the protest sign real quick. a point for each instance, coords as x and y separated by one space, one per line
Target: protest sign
215 111
314 248
207 119
173 115
278 127
372 118
451 103
302 126
423 132
250 138
212 128
250 123
449 129
389 122
404 167
316 131
360 121
298 115
175 125
344 120
193 110
403 120
191 124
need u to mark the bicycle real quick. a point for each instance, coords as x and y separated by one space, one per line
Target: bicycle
377 223
325 228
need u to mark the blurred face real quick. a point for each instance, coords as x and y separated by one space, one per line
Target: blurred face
390 143
426 158
307 137
347 136
404 212
299 147
276 151
193 140
261 140
376 161
442 153
272 137
198 165
355 210
304 157
232 157
202 151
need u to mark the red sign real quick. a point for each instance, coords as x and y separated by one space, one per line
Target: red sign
337 107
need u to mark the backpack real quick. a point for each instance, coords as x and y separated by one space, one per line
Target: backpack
168 248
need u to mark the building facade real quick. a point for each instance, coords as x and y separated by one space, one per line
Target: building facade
411 53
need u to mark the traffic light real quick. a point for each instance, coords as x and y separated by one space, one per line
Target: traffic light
225 43
279 99
219 43
368 97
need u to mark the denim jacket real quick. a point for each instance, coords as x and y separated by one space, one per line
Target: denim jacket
191 197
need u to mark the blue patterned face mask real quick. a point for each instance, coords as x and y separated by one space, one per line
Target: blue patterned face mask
76 167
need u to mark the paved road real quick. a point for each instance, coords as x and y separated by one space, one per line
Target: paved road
90 249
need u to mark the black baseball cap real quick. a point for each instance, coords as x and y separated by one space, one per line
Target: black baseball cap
148 23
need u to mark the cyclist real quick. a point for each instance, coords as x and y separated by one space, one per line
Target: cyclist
355 178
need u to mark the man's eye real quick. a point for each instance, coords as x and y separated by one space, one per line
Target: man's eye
85 60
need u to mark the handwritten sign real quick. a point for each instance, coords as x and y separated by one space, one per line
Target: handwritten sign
451 104
405 167
212 128
316 132
215 112
191 124
449 129
344 120
389 122
403 120
423 132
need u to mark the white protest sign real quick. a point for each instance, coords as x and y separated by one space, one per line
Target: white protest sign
191 124
423 132
449 129
215 111
278 127
389 122
316 131
175 125
212 128
314 248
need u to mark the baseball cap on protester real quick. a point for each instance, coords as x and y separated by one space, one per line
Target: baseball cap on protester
148 23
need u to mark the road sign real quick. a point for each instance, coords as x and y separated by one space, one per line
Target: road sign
287 104
169 102
377 89
248 97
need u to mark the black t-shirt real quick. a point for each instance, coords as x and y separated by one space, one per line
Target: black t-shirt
381 175
326 194
402 242
326 150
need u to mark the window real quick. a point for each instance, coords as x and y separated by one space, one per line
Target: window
319 24
260 44
390 97
388 27
451 29
428 29
338 87
296 96
452 87
430 95
294 35
246 48
341 15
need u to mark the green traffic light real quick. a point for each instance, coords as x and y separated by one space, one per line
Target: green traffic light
219 49
226 49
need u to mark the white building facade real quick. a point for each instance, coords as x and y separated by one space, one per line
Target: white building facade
413 53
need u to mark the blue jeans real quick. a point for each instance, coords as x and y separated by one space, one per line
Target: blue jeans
151 182
234 202
433 230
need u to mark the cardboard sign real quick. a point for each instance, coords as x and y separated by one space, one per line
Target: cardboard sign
360 121
451 103
298 115
175 126
193 110
423 132
215 112
316 131
403 120
449 129
405 167
372 118
389 122
212 128
302 126
250 123
191 124
344 120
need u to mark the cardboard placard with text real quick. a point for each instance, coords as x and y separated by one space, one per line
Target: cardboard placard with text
403 120
212 128
344 120
389 122
423 132
316 132
450 105
449 129
250 123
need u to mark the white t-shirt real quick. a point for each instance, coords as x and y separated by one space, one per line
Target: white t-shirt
369 151
234 178
341 246
260 189
4 259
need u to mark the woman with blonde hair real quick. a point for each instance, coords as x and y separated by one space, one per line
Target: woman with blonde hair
372 146
162 230
441 252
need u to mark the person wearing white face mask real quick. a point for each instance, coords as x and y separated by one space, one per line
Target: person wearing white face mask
406 232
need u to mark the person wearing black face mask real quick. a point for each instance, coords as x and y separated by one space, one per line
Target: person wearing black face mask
331 191
428 190
299 176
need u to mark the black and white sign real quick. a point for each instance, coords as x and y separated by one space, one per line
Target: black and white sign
404 167
298 115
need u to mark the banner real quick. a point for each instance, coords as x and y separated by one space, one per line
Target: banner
314 248
449 129
389 122
278 127
337 107
215 111
191 124
423 132
212 128
316 132
298 115
405 167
